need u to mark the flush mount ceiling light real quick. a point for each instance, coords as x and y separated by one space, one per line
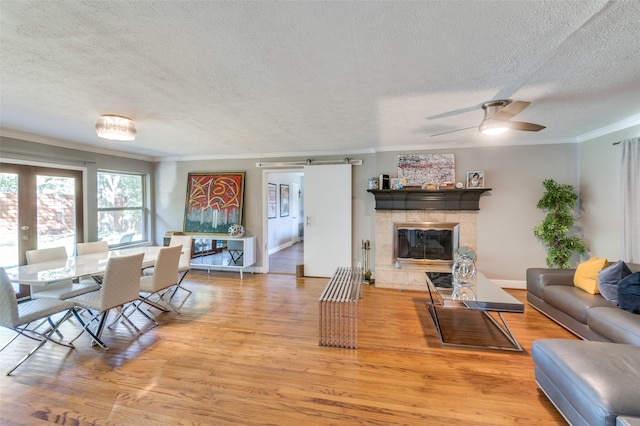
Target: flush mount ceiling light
116 128
489 127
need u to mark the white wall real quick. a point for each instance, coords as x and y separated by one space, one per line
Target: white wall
508 213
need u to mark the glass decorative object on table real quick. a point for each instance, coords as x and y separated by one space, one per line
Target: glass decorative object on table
236 231
463 272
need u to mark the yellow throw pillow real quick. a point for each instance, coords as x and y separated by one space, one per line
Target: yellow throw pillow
586 276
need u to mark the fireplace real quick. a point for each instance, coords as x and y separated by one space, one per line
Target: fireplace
405 272
452 210
425 243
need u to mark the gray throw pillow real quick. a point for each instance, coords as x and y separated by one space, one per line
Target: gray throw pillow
608 280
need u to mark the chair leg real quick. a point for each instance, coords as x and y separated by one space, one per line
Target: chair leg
159 305
85 327
127 320
179 286
11 340
45 339
121 313
175 308
150 318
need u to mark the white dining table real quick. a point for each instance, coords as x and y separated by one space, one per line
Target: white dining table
53 271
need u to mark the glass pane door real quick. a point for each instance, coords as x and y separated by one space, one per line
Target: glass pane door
56 212
41 208
9 219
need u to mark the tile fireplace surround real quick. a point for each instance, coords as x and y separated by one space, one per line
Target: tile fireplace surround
419 206
412 276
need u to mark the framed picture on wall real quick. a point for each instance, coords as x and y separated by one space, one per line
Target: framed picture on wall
271 206
475 179
214 202
284 200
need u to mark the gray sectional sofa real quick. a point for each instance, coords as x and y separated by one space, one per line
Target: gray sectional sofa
594 381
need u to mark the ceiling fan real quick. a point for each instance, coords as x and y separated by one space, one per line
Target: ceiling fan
497 118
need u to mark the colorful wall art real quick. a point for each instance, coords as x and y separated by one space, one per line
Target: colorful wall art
214 202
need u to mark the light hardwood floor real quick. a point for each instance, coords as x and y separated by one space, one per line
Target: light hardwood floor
246 352
285 261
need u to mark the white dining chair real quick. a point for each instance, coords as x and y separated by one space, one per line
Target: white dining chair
92 248
18 316
153 288
120 285
60 290
186 241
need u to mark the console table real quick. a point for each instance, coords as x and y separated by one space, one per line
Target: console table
241 253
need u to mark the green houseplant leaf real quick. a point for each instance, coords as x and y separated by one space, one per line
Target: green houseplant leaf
555 230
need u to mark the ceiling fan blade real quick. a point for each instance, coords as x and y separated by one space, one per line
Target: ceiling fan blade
453 131
511 110
527 127
454 112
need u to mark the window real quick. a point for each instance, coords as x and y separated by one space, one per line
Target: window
121 208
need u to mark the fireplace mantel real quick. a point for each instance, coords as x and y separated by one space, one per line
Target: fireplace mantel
417 199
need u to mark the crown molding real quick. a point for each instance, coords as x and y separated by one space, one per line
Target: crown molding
46 140
634 120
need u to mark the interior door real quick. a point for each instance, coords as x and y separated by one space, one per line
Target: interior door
327 226
41 208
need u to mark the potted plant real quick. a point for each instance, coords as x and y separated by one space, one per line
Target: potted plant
556 230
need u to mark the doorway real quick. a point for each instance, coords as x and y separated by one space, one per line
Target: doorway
324 216
284 238
286 260
41 208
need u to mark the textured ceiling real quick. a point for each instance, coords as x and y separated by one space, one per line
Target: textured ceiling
213 79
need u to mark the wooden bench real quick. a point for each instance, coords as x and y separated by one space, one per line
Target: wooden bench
339 309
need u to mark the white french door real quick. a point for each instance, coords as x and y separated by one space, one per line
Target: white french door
327 221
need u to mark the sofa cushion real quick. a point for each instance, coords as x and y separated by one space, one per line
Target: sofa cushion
586 276
615 324
538 278
629 293
593 381
608 279
573 301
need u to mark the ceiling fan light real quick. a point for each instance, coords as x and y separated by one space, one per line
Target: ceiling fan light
493 128
116 128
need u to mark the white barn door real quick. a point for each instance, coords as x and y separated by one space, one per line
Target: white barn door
327 221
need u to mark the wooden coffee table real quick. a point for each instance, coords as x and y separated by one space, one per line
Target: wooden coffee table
482 296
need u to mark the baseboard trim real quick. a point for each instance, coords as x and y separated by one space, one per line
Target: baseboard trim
280 247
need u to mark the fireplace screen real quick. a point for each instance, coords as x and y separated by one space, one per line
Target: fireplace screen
425 242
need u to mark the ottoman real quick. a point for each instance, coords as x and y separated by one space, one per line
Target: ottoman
590 383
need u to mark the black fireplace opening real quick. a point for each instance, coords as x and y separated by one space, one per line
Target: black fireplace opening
426 242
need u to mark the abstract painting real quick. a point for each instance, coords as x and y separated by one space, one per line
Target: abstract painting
420 169
214 202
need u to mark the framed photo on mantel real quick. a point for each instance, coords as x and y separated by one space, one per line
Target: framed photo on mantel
475 179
